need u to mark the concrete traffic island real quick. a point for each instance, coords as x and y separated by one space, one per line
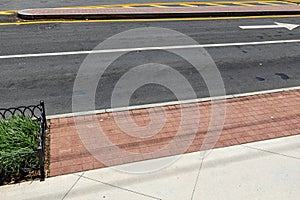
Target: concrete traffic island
151 12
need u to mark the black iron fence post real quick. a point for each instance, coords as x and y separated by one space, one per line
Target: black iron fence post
41 148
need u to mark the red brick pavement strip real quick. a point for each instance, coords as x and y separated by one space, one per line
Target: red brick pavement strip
248 119
113 13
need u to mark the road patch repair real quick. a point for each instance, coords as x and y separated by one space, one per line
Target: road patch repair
248 118
164 10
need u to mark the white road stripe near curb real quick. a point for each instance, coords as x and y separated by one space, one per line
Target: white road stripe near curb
169 103
147 49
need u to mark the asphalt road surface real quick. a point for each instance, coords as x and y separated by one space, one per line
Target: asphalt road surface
244 68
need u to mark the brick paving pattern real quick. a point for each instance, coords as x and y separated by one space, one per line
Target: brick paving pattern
248 119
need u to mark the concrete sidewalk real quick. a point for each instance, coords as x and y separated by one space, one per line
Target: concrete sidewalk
261 170
154 12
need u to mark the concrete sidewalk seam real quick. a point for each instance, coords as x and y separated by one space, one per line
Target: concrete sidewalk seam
267 151
197 179
66 194
118 187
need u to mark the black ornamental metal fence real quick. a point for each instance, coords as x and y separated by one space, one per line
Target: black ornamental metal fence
36 112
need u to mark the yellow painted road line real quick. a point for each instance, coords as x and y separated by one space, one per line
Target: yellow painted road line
8 12
158 6
125 6
187 5
241 4
213 4
144 20
190 4
269 3
293 1
115 5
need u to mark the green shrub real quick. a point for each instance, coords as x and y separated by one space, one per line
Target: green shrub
19 139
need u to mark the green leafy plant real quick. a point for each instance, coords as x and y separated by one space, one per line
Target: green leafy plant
19 139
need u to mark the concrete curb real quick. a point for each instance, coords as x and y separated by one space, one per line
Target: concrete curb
146 13
171 103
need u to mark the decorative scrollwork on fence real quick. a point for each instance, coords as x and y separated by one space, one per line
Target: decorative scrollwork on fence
33 111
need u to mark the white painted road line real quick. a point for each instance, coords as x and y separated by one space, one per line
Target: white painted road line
148 49
171 103
277 25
